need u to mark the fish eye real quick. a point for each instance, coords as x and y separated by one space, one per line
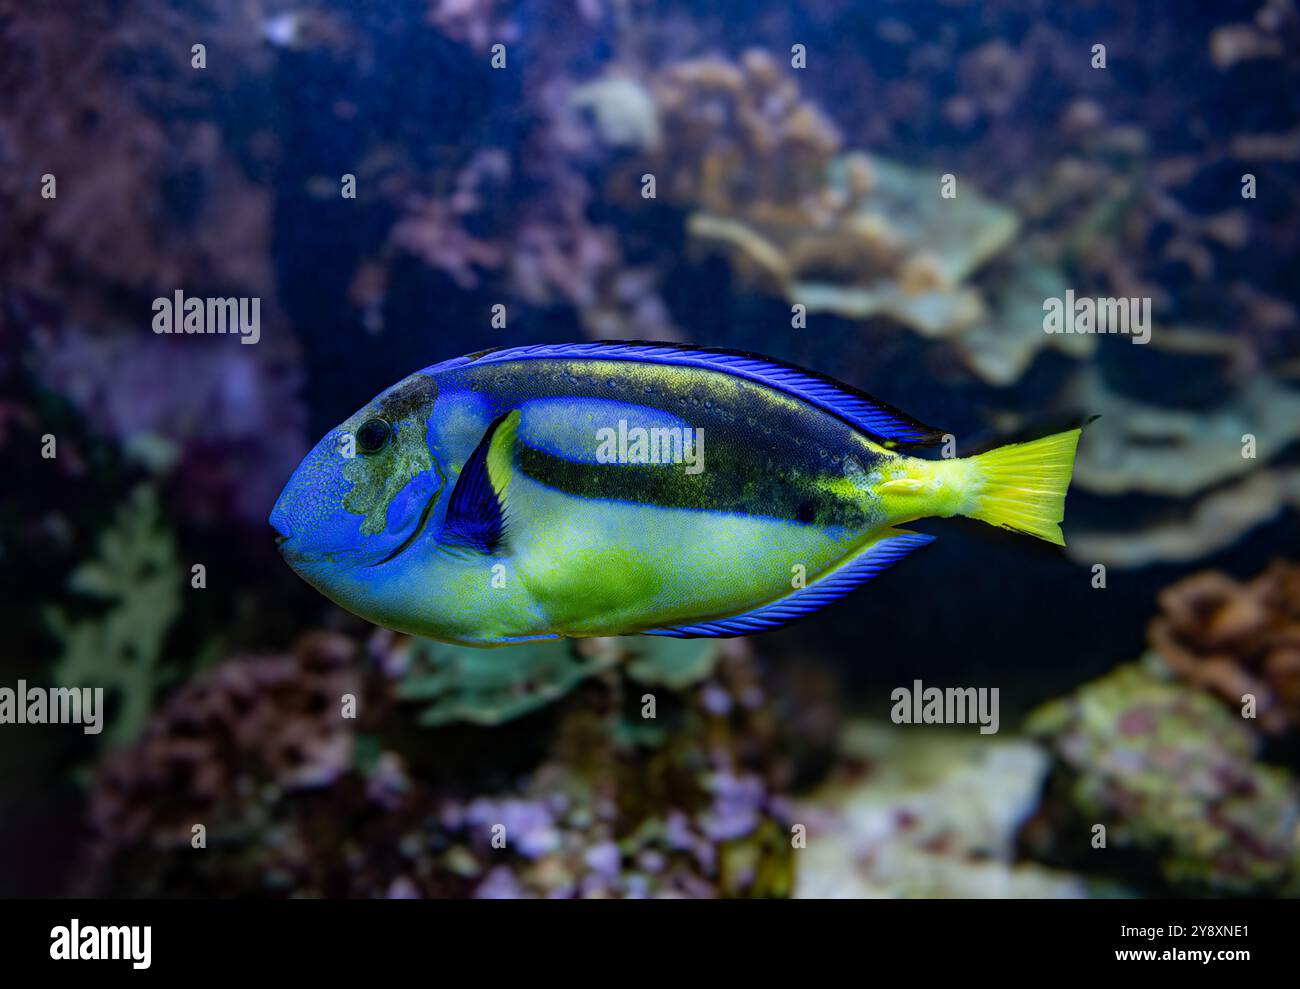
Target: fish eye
373 435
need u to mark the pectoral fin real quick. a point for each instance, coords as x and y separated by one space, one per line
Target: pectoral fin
477 518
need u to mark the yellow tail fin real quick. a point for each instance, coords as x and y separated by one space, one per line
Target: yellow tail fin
1022 486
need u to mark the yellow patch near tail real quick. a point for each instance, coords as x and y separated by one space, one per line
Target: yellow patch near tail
1022 486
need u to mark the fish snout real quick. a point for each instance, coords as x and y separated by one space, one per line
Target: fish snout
279 521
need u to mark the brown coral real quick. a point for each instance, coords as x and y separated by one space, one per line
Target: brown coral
270 720
593 798
1236 638
741 134
127 208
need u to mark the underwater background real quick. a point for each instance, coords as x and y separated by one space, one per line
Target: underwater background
798 152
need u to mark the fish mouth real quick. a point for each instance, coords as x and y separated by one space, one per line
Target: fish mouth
419 528
280 527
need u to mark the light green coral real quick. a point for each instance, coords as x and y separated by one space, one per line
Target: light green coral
491 686
673 663
1001 345
1168 771
900 250
138 579
961 233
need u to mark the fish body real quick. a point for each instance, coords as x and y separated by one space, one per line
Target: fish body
613 489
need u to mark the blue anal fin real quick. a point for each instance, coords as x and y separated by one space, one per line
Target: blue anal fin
867 564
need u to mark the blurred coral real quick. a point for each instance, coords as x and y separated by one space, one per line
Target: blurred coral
212 432
217 752
1140 446
1218 471
477 23
1214 521
1237 638
144 200
821 186
137 580
740 136
298 798
921 814
434 229
1171 776
153 193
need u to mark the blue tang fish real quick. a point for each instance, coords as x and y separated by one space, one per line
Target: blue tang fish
622 488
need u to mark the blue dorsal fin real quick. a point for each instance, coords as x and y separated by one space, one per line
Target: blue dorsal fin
887 424
818 594
476 513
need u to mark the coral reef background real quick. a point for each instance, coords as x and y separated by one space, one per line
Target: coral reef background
782 180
